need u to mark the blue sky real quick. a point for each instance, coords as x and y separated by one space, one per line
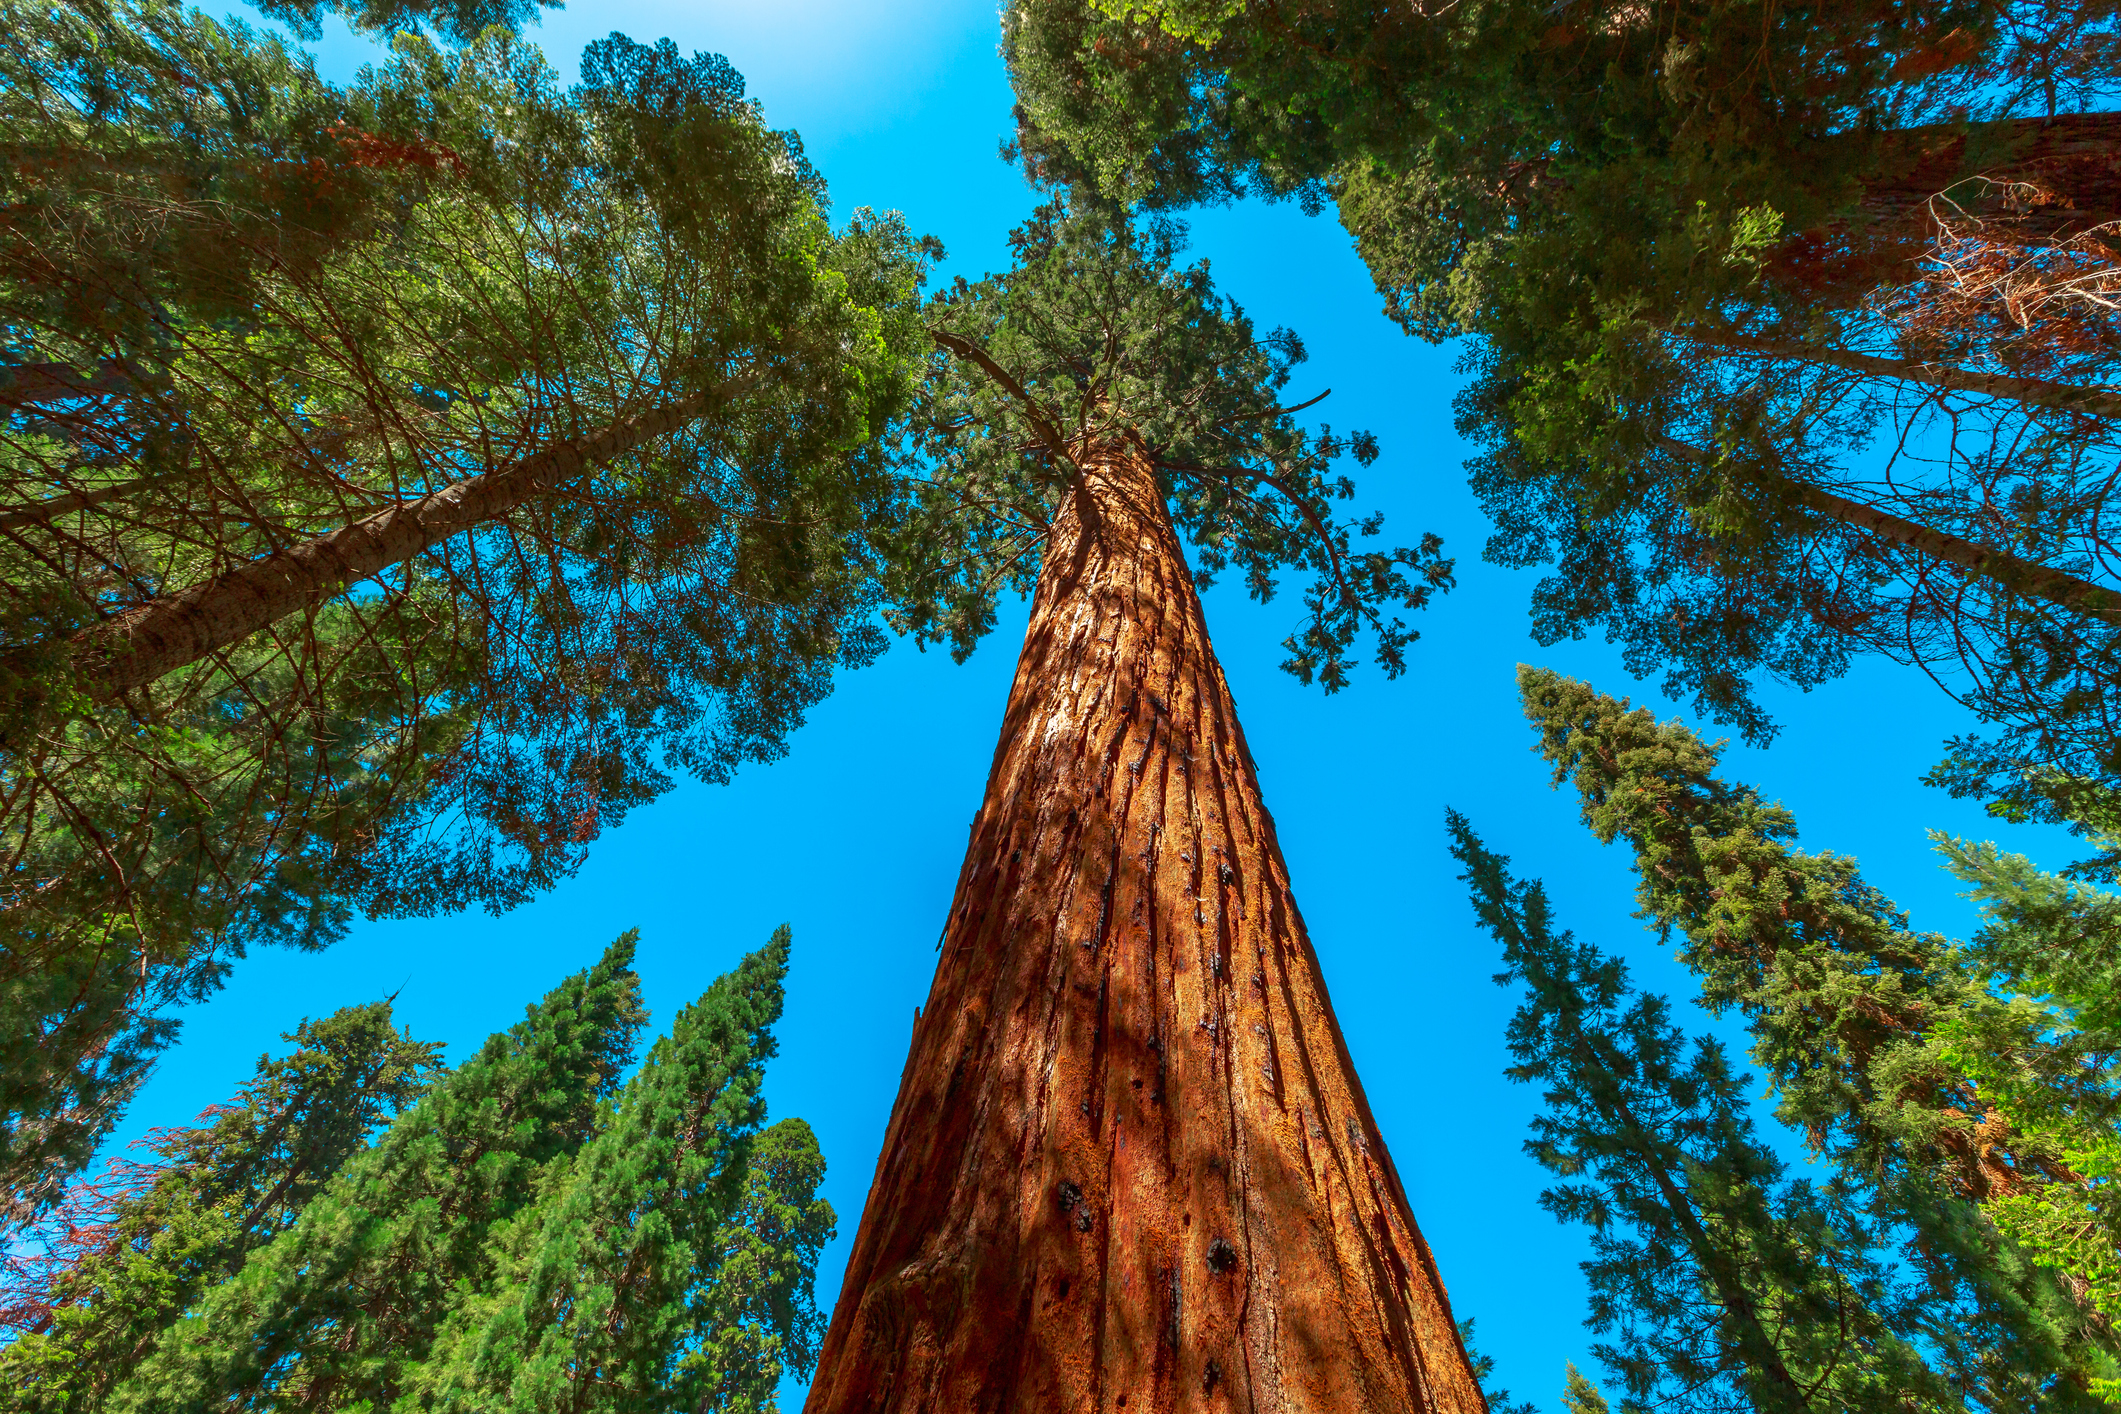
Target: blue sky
855 838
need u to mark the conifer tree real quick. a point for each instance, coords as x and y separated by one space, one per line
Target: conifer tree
1129 1165
528 1236
1722 1283
596 1300
1579 1395
759 1316
333 1311
1852 1016
2042 1044
124 1258
1793 324
401 482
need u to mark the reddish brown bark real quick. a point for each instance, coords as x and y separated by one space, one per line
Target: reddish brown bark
2028 182
2073 159
1130 1167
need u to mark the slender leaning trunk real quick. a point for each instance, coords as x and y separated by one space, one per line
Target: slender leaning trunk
2013 572
1130 1167
134 648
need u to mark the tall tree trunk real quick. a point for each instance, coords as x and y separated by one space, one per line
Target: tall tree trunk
134 648
2013 572
2099 400
2047 181
1755 1345
2069 155
1130 1167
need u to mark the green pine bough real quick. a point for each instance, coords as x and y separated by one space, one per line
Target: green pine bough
1718 1279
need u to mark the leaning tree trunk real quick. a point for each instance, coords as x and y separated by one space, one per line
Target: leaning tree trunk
1130 1167
2068 159
135 647
2013 572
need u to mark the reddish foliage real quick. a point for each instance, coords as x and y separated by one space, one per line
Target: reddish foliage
1950 51
366 149
2044 306
84 1226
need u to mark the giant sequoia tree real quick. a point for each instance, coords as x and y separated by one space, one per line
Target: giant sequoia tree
1793 322
1130 1165
401 483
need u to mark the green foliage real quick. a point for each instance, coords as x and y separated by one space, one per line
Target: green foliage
1579 1395
2046 1054
1101 344
337 1308
124 1258
529 1235
240 309
1820 964
459 20
596 1300
1722 1283
759 1318
1667 228
1853 1018
1172 101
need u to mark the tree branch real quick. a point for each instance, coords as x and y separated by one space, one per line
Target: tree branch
1277 412
134 648
2040 392
42 512
1348 596
1040 423
2013 572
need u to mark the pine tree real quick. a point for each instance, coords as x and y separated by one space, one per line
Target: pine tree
596 1300
760 1319
1579 1395
1851 1015
398 483
1129 1165
1722 1283
2043 1046
1821 965
336 1309
527 1236
126 1257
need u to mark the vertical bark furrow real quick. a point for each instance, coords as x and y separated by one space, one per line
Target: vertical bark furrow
1130 1170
